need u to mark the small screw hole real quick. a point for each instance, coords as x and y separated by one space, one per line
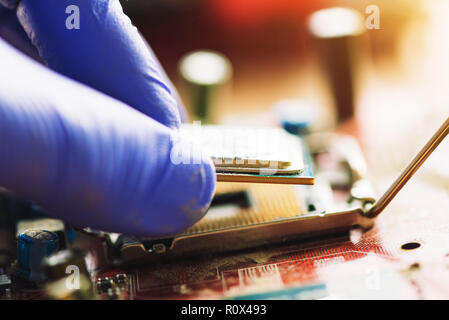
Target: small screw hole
410 246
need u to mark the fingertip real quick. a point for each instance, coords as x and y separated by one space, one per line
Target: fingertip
183 194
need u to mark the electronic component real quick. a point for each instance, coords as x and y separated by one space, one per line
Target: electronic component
113 287
204 74
254 154
43 223
337 48
241 216
274 213
268 203
33 246
5 283
296 116
240 198
278 215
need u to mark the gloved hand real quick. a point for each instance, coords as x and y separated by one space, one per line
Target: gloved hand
91 141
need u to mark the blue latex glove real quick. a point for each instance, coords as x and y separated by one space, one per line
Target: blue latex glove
95 151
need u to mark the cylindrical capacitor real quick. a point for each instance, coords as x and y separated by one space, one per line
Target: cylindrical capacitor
335 30
296 116
33 246
204 73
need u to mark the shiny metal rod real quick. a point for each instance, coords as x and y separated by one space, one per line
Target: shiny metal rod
425 152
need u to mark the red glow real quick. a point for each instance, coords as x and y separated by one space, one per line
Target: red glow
250 13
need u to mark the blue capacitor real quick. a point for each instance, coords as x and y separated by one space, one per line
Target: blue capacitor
295 116
33 245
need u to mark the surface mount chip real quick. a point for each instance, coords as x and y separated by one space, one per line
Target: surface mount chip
254 154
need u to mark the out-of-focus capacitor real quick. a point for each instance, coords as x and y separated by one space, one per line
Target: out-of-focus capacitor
44 223
296 116
204 73
33 246
335 30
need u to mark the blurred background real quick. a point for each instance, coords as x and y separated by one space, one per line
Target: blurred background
393 75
